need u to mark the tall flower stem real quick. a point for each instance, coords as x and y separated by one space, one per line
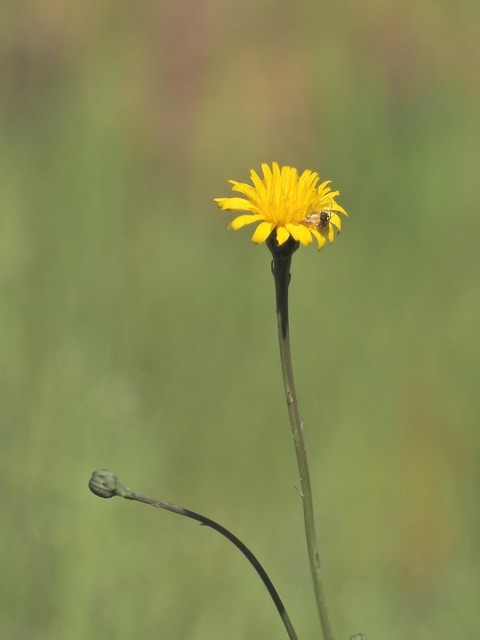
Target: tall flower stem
282 258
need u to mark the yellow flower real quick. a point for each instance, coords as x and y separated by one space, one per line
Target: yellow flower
293 205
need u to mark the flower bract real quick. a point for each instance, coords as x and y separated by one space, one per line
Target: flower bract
294 205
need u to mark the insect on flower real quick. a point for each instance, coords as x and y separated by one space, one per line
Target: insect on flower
321 218
324 218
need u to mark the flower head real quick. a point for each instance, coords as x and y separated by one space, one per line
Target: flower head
293 205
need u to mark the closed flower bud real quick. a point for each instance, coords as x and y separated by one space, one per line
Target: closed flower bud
103 483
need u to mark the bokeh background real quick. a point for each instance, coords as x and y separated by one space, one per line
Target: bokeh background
139 335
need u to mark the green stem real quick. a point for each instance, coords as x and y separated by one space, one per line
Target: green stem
105 484
281 272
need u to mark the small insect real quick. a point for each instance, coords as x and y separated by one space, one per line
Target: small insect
324 218
320 219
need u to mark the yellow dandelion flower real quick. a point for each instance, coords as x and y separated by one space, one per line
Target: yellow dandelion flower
292 205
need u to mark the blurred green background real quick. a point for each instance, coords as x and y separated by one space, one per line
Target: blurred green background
139 335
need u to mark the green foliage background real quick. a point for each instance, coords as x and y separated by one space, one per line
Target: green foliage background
138 334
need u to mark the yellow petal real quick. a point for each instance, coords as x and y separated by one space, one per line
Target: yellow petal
258 184
282 235
262 232
277 183
336 221
320 239
308 180
300 232
305 236
337 207
234 204
267 172
241 221
245 189
323 185
331 233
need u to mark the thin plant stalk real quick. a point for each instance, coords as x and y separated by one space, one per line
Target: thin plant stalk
105 484
281 272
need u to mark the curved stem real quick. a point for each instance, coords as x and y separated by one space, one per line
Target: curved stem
106 485
281 273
